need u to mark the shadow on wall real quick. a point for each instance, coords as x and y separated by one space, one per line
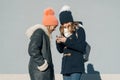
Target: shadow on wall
91 73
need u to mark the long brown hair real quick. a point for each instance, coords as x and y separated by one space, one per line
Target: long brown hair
71 28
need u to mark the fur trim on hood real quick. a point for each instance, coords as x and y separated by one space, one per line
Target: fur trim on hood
32 29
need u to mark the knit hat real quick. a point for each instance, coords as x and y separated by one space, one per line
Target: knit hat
65 15
49 17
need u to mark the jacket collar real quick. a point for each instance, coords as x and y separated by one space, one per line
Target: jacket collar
32 29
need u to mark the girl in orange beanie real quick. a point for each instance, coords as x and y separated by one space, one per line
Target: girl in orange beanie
40 64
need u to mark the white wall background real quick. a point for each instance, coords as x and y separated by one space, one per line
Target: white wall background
101 20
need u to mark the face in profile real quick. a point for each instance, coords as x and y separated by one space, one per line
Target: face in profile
51 28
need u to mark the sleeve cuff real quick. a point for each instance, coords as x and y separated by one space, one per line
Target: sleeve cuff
44 66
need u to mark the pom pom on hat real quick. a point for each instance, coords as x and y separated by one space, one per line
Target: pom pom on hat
65 8
49 17
65 15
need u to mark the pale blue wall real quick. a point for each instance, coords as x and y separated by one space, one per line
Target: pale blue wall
101 20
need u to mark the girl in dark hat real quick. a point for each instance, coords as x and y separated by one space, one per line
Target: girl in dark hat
72 44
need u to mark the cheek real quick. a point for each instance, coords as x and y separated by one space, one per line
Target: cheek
52 28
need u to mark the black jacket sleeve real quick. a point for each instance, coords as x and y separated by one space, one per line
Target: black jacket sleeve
35 47
60 47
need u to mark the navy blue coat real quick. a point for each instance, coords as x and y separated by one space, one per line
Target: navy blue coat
75 45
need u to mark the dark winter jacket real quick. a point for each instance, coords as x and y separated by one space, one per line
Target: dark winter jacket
72 49
40 65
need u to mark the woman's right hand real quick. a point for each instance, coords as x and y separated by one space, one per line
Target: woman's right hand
58 39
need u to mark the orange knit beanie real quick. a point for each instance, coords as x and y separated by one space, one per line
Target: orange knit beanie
49 17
